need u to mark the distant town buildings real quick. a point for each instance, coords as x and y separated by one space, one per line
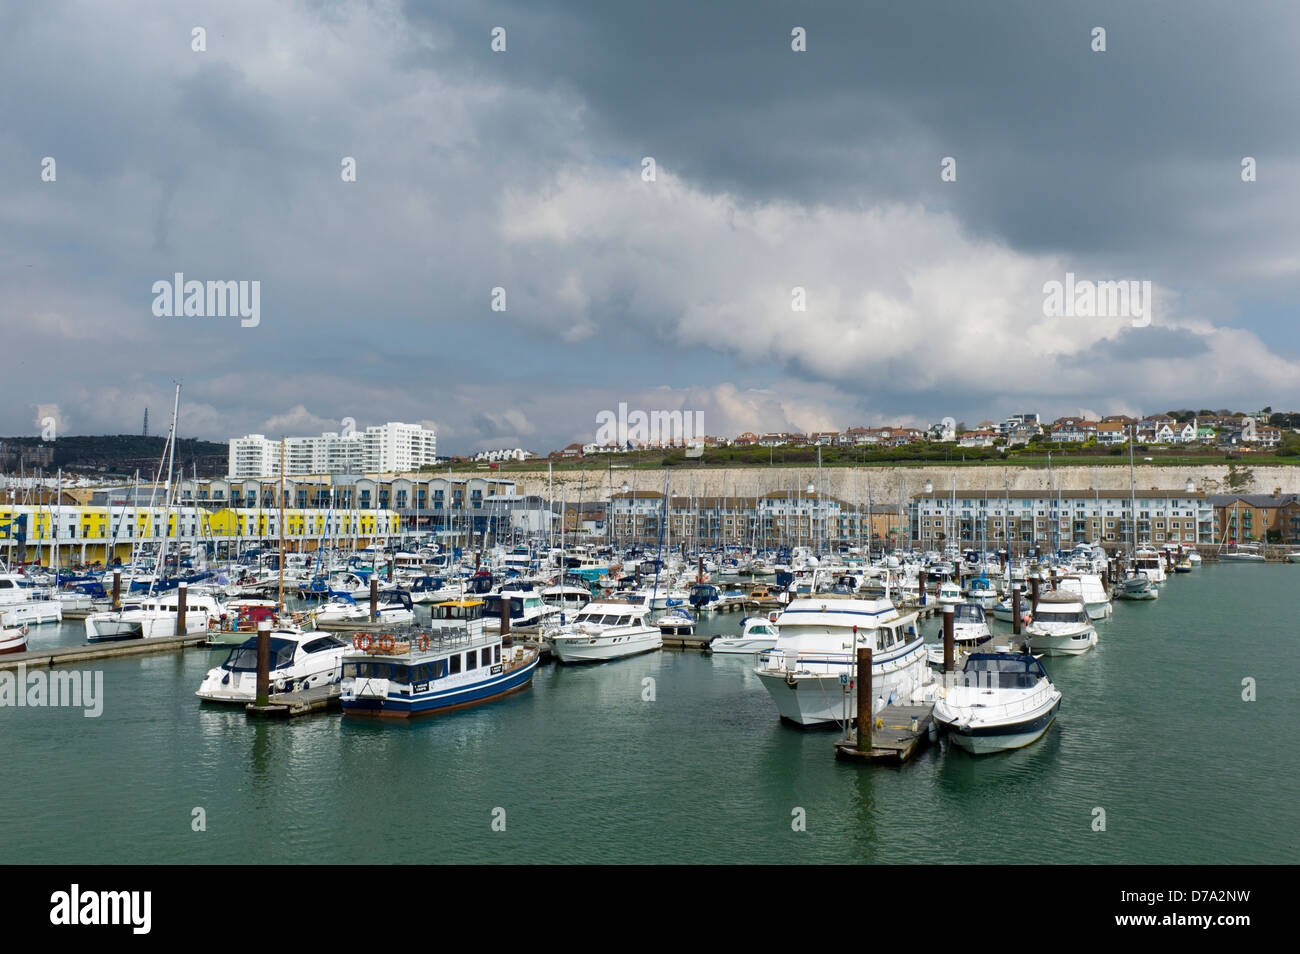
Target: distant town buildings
1241 432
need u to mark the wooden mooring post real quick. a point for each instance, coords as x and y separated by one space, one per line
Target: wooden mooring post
263 662
182 595
949 663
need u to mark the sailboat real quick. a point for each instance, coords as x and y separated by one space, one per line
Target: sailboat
156 616
1135 585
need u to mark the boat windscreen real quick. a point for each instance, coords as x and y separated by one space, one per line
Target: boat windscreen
243 658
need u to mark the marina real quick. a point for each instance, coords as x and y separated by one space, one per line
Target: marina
705 734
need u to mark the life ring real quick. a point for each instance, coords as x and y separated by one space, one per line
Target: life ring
386 643
356 640
424 643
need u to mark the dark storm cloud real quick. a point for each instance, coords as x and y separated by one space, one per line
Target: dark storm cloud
479 169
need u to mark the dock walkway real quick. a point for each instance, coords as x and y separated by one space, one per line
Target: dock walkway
93 652
893 740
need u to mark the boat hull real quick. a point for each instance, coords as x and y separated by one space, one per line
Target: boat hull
596 649
12 642
739 645
436 702
819 698
1070 644
984 740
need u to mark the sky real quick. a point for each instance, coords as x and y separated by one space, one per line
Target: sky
524 170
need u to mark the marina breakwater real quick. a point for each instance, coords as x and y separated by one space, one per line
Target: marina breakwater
887 484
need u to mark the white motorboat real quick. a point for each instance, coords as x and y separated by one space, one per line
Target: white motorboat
154 618
299 660
970 630
19 605
13 639
982 592
346 614
1150 564
809 669
526 609
757 635
949 593
1135 587
605 630
566 596
1001 701
1091 590
1060 626
676 622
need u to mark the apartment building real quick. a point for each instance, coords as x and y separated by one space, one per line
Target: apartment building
1060 520
384 448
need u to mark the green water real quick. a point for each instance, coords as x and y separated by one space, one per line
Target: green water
1153 729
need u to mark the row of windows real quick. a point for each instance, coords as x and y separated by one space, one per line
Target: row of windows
424 672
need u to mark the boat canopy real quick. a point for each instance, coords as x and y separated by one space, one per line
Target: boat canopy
1008 670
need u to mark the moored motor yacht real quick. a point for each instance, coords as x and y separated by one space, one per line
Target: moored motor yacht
1001 701
817 644
676 622
1135 587
13 639
1091 590
607 629
344 614
970 630
982 591
1059 626
757 635
154 618
299 660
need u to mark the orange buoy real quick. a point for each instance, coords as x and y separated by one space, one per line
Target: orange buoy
424 643
386 643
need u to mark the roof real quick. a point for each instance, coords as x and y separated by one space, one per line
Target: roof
1253 500
995 494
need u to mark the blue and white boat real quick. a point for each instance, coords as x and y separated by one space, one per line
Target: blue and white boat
1000 701
809 669
454 664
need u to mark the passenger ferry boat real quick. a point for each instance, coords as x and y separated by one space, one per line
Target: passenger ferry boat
453 664
818 643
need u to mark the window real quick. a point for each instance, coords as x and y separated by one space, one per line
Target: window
496 653
322 644
471 660
455 664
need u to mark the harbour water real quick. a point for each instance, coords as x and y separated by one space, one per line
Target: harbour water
679 757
